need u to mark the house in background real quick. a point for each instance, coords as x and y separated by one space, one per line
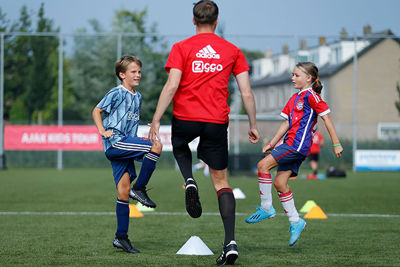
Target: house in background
378 73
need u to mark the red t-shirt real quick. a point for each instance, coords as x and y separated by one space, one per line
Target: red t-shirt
302 110
206 61
317 140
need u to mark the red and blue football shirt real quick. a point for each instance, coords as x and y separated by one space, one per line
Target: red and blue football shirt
302 111
206 61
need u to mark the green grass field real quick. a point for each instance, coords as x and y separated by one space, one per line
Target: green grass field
50 217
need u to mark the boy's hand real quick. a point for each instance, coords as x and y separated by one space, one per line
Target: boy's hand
107 134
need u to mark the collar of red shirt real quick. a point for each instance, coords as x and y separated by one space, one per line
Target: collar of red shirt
301 91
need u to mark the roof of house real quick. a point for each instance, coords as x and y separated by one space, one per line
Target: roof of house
327 70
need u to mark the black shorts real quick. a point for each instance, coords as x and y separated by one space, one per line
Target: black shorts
314 157
213 145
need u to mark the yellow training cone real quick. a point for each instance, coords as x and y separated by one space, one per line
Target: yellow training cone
315 213
134 212
142 208
307 207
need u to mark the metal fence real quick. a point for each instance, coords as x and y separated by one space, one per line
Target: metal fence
262 43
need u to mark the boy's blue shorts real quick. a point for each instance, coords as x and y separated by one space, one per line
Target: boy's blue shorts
288 158
123 153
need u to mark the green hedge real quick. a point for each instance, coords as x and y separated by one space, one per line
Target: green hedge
71 159
250 154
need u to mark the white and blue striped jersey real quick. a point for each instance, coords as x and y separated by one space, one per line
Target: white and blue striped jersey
121 114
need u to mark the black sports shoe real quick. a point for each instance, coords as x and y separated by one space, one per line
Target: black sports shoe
193 205
229 254
125 244
140 194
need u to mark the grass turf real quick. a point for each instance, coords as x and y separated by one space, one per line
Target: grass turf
51 238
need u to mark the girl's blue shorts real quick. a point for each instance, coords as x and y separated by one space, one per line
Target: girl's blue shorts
288 158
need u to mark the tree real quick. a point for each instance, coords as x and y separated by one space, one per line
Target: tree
31 67
44 71
4 22
92 68
17 63
94 57
153 73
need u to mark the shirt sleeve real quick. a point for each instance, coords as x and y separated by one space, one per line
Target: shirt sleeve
108 101
240 64
175 59
286 110
318 104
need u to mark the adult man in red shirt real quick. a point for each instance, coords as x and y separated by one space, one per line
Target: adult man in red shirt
199 69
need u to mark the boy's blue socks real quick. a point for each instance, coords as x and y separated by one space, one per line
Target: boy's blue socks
122 211
148 166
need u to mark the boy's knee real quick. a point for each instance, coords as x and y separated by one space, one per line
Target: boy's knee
156 147
123 192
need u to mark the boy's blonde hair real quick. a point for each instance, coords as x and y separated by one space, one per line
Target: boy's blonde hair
121 65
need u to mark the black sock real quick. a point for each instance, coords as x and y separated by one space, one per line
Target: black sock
183 157
227 204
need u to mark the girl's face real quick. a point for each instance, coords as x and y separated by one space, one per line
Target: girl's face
131 77
300 79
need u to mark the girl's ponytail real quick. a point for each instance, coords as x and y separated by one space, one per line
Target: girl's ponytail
317 85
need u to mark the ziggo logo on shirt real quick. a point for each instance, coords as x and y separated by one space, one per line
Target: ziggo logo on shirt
200 66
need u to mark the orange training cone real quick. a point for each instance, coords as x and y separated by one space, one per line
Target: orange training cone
134 212
315 213
308 206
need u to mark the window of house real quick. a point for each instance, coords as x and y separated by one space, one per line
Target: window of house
256 93
336 54
315 58
276 65
262 100
281 97
273 98
302 58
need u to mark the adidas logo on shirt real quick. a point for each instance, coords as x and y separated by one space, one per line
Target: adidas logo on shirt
207 52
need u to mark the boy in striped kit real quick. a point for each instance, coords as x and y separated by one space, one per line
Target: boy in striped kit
300 114
121 107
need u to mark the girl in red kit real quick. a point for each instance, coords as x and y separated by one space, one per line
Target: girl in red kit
300 114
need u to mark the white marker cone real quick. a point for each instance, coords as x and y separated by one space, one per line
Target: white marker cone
238 194
195 246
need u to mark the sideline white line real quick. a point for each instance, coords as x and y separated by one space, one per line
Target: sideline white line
94 213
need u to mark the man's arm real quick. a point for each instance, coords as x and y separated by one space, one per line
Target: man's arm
243 82
164 100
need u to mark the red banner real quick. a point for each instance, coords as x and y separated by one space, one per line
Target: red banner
71 137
